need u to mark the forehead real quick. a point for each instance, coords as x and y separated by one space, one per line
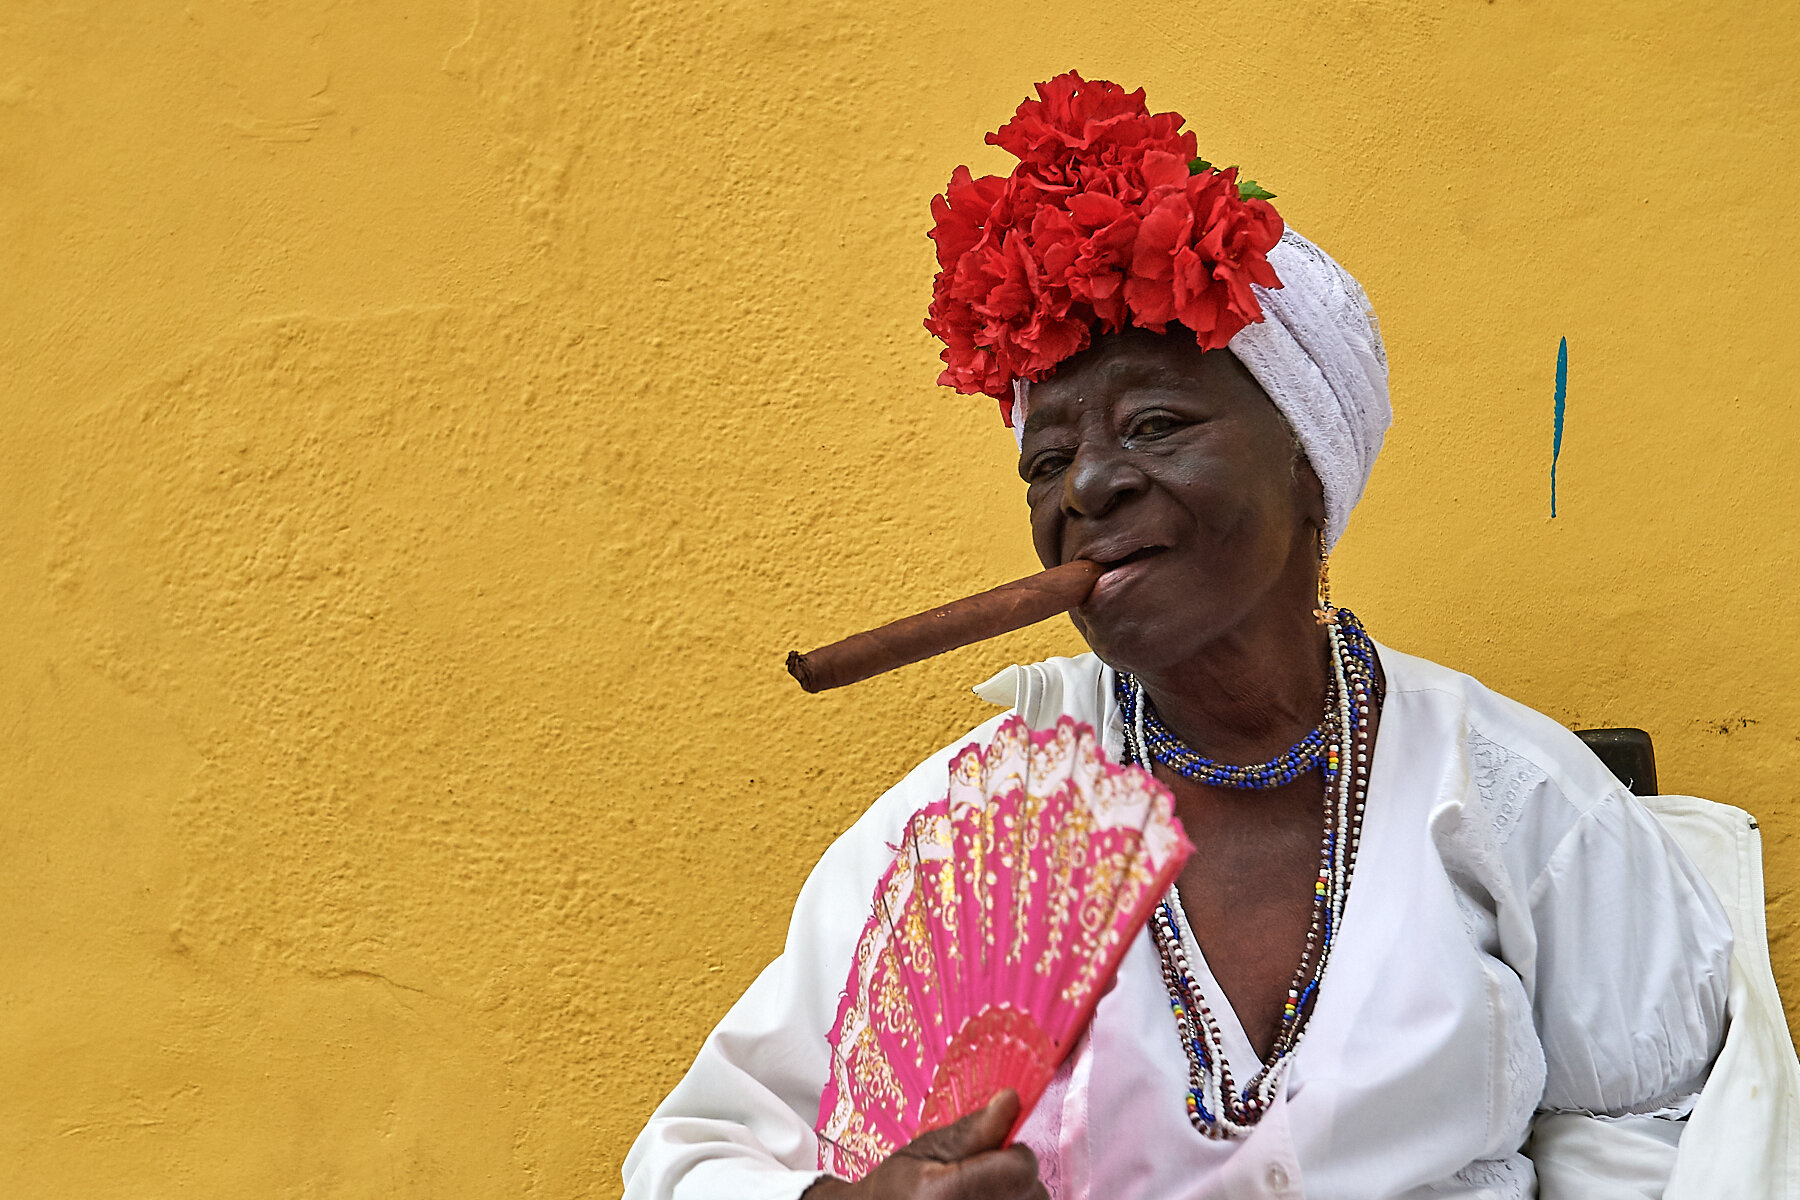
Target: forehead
1124 365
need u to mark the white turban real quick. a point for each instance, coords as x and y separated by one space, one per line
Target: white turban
1317 352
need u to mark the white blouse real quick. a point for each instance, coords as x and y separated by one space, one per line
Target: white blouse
1521 938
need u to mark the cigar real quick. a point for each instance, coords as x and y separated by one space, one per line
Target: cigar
974 619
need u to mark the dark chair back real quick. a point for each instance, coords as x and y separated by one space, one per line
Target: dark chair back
1627 754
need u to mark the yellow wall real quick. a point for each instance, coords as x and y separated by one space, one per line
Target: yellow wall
427 425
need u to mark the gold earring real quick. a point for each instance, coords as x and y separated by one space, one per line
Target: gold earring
1326 613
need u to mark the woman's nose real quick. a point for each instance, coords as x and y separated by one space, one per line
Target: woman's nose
1100 477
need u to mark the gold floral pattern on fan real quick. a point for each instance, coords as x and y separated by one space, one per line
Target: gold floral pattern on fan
992 935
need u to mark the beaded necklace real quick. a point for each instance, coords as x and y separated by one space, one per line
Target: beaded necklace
1215 1104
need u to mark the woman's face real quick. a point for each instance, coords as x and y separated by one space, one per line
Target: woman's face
1171 465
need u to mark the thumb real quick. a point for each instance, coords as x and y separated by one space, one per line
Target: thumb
982 1130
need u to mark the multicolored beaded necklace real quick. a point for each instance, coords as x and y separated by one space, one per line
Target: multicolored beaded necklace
1215 1104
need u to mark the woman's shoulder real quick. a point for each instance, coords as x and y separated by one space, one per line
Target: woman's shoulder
1518 801
1040 692
1507 744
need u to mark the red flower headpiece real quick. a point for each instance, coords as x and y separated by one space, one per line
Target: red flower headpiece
1109 218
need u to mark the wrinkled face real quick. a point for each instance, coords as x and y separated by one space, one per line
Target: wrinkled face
1173 467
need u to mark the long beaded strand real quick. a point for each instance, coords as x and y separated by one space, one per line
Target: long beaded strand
1215 1105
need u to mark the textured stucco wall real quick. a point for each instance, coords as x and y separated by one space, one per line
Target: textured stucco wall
428 424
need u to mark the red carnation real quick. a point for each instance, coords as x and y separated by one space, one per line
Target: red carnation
1091 122
961 212
1102 222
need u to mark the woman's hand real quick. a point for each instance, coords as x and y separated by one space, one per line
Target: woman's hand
958 1162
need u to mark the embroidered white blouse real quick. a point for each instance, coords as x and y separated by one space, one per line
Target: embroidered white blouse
1522 938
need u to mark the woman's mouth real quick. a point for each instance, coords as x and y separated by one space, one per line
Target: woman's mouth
1138 555
1121 572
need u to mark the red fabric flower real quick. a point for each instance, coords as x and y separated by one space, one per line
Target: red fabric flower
1103 222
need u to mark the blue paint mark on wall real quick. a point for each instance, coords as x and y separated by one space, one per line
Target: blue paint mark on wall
1562 393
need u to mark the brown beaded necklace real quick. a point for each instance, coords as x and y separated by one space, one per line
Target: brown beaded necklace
1217 1107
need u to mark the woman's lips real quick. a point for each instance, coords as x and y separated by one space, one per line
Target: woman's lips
1122 573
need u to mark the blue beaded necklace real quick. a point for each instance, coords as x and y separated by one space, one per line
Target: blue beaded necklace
1215 1105
1303 756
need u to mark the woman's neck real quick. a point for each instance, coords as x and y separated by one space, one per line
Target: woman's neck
1252 693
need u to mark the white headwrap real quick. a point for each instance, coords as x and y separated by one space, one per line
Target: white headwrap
1317 352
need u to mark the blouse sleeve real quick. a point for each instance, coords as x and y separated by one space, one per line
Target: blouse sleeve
739 1125
1633 960
1631 968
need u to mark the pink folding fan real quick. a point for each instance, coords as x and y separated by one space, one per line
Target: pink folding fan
999 924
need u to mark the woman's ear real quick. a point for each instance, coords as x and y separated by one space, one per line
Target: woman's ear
1309 492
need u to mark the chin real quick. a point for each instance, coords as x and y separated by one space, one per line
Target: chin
1150 618
1141 647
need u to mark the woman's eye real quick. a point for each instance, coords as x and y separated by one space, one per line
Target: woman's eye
1045 465
1154 425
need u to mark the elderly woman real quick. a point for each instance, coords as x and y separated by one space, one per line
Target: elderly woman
1199 396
